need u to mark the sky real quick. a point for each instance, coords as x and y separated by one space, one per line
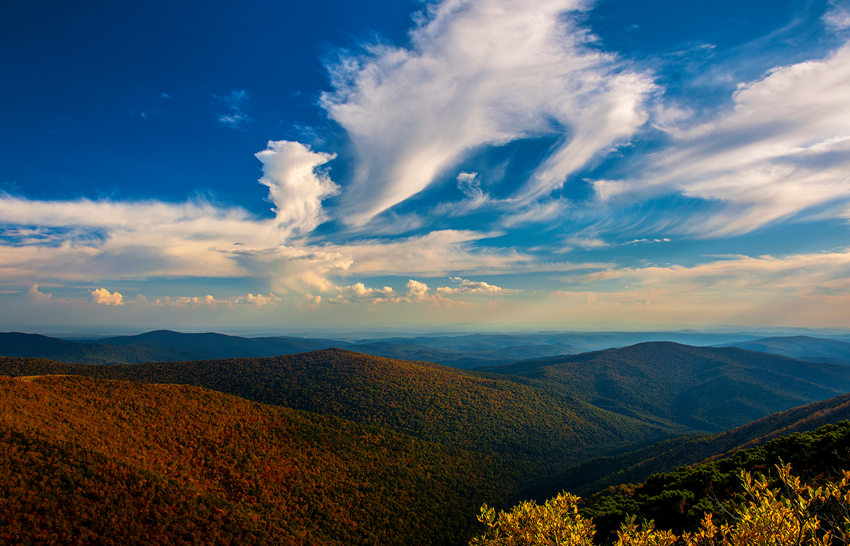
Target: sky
400 164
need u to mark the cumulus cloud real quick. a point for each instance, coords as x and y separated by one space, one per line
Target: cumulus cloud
102 296
465 286
259 300
360 292
38 295
416 291
295 186
781 151
479 73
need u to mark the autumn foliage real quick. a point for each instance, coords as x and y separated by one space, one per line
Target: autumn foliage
85 460
787 513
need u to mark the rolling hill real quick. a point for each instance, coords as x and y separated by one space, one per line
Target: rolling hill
494 415
84 460
708 389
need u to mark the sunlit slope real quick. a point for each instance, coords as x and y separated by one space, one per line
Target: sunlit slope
428 401
88 459
704 388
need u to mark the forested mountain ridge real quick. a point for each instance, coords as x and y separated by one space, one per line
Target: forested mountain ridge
459 350
87 459
156 346
636 465
710 389
428 401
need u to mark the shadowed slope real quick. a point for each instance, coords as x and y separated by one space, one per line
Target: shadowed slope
634 466
704 388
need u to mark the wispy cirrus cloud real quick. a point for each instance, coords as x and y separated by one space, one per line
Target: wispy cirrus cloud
782 150
476 74
837 16
235 104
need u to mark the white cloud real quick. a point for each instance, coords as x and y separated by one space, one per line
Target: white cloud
259 299
783 150
465 286
102 296
295 186
837 17
85 240
360 292
37 295
433 254
470 185
534 212
740 277
479 73
416 291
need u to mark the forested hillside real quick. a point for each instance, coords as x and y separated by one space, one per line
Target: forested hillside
540 426
636 465
401 447
83 459
677 500
709 389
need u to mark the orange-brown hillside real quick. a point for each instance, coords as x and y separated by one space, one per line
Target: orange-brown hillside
85 459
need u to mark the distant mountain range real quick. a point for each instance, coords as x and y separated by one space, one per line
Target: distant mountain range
815 349
156 346
460 351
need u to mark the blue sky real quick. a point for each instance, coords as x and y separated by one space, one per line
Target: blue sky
479 165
